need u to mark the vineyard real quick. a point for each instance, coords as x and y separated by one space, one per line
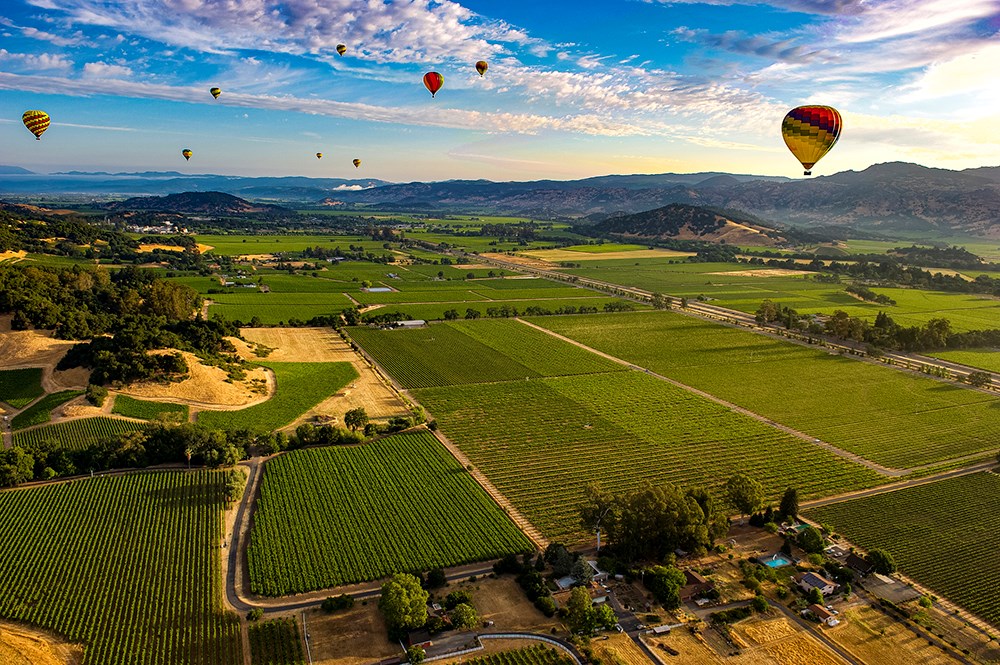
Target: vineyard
147 410
987 359
301 386
537 655
127 565
943 535
20 387
76 434
276 642
332 516
542 441
475 352
41 411
896 419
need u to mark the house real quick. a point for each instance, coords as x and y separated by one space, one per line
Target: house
860 565
695 584
419 638
599 575
809 581
824 615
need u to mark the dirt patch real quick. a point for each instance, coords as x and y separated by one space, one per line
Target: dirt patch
205 248
503 602
876 638
31 348
165 248
27 646
529 261
324 345
70 379
207 386
619 649
471 266
691 648
356 637
766 272
12 256
798 650
556 255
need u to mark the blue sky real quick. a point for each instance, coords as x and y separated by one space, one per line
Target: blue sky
575 87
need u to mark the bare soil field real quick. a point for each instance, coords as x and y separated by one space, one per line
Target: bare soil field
503 602
206 386
876 638
355 637
325 345
767 272
26 646
37 348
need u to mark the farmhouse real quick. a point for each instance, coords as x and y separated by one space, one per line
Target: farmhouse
809 581
824 615
860 565
695 584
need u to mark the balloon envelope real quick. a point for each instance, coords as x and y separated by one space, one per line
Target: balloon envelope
36 122
482 66
319 155
433 82
357 163
341 49
810 132
187 153
216 92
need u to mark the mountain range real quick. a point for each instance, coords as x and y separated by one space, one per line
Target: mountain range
885 197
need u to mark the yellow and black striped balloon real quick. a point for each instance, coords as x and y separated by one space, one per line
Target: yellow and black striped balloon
187 154
341 49
36 122
357 163
810 132
216 92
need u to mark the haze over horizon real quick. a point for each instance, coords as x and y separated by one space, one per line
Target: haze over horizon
573 90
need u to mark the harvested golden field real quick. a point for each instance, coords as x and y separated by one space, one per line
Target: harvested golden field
206 386
764 632
26 646
876 638
355 637
767 272
798 650
619 649
12 256
37 348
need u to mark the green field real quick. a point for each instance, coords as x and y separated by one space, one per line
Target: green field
41 411
126 565
275 642
944 535
333 516
987 359
474 352
147 410
604 248
20 387
536 655
890 417
236 245
542 441
77 434
301 386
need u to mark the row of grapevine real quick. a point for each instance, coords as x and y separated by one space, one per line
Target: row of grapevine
536 655
334 516
76 434
276 642
126 565
41 411
146 409
943 534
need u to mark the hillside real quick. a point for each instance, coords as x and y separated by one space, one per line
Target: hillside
210 203
685 222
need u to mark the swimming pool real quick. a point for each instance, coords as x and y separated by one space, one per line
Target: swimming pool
775 560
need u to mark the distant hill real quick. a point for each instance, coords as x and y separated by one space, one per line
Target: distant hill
14 170
686 222
194 203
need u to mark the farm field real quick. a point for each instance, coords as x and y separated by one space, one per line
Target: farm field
301 386
432 312
535 655
127 565
463 352
987 359
20 387
147 410
893 418
943 534
76 434
41 411
275 642
319 508
542 441
239 245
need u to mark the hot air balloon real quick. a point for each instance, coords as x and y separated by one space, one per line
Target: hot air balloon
216 92
433 82
319 155
357 163
187 153
482 66
810 132
341 49
36 122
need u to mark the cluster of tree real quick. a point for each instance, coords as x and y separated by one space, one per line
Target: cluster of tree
655 521
524 231
868 295
404 603
712 253
530 578
942 257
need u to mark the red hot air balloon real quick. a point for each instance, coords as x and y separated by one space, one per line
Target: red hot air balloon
433 82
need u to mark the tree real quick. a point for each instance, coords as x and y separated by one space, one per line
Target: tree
450 314
356 419
464 617
604 617
579 612
979 379
811 540
789 506
403 602
759 604
415 655
745 494
815 596
334 603
256 614
436 578
582 572
557 556
665 583
16 467
882 561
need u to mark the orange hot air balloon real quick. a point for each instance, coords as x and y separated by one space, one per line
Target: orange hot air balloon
36 122
341 49
216 92
482 66
810 132
187 154
433 82
357 163
319 155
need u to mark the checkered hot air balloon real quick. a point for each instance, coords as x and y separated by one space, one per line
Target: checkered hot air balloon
36 122
810 132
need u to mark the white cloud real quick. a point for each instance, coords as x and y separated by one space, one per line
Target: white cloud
36 61
831 7
103 70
